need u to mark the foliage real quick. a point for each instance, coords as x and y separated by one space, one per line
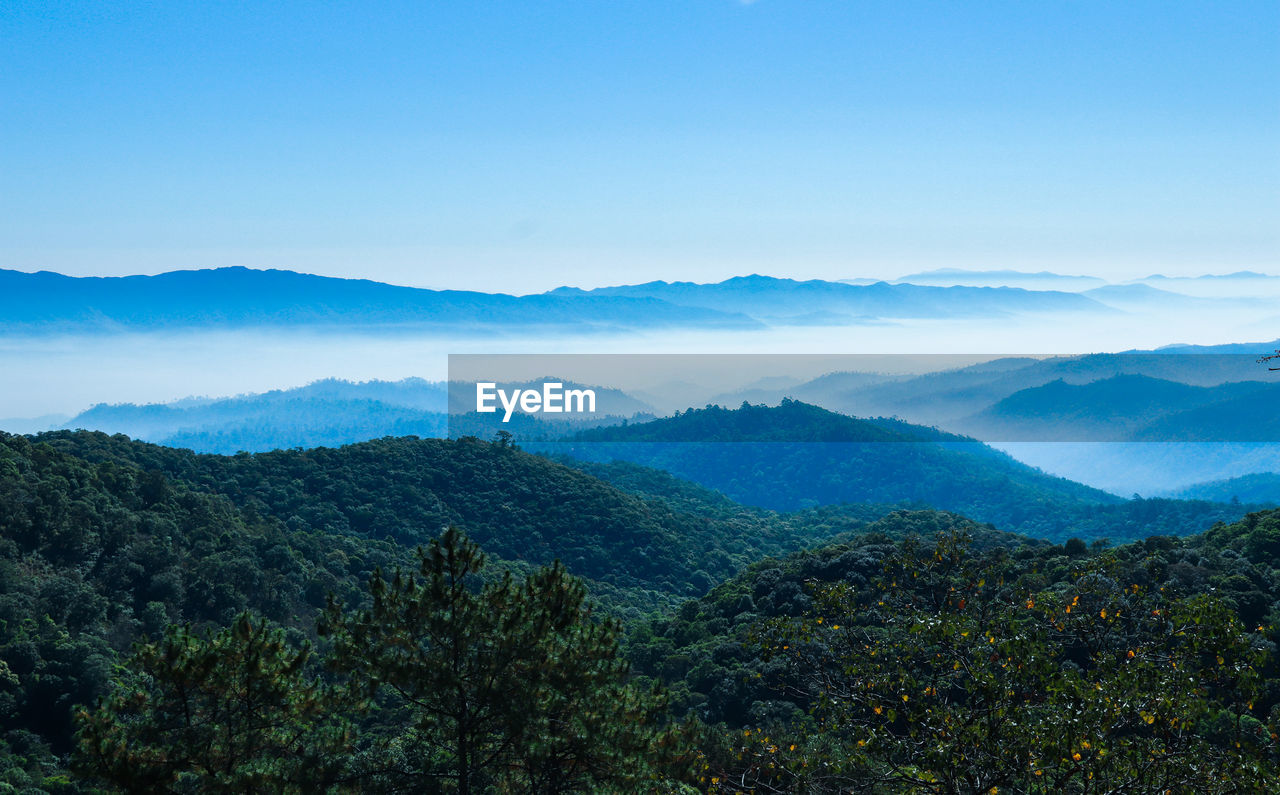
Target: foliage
97 555
105 541
233 711
513 687
950 677
515 505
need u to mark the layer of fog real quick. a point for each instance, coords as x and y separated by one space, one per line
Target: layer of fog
66 374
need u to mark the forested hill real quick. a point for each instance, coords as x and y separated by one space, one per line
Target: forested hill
105 541
97 554
902 636
796 456
516 505
792 421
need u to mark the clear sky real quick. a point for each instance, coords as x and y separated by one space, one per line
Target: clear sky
517 146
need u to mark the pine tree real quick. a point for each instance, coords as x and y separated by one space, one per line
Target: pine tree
228 712
507 687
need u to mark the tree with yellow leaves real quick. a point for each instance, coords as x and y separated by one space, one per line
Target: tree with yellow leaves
950 676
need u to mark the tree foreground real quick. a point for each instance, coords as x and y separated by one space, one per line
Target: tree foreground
951 675
443 684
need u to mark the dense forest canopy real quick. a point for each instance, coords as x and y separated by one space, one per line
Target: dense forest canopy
699 621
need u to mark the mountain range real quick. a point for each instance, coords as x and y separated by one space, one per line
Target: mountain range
329 413
1259 488
1238 284
949 397
1132 408
1041 280
1218 398
807 302
239 297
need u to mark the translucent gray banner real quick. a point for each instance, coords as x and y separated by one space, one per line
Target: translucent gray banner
1125 397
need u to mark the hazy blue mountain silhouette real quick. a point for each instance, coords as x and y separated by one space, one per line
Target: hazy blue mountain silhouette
241 297
782 300
1144 296
796 456
1129 408
326 413
949 398
1260 488
1236 276
1038 280
334 412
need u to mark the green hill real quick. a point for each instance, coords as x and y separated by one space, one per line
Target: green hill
105 541
516 505
797 456
750 654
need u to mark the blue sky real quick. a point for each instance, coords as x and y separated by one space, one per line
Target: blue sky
518 146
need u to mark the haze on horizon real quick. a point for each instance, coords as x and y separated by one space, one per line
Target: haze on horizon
519 147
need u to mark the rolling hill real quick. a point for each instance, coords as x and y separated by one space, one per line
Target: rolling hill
518 506
107 541
797 456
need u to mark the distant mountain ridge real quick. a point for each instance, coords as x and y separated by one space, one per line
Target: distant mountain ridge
239 297
1212 276
777 300
1131 407
242 297
1258 488
325 413
946 398
976 278
1219 285
330 413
